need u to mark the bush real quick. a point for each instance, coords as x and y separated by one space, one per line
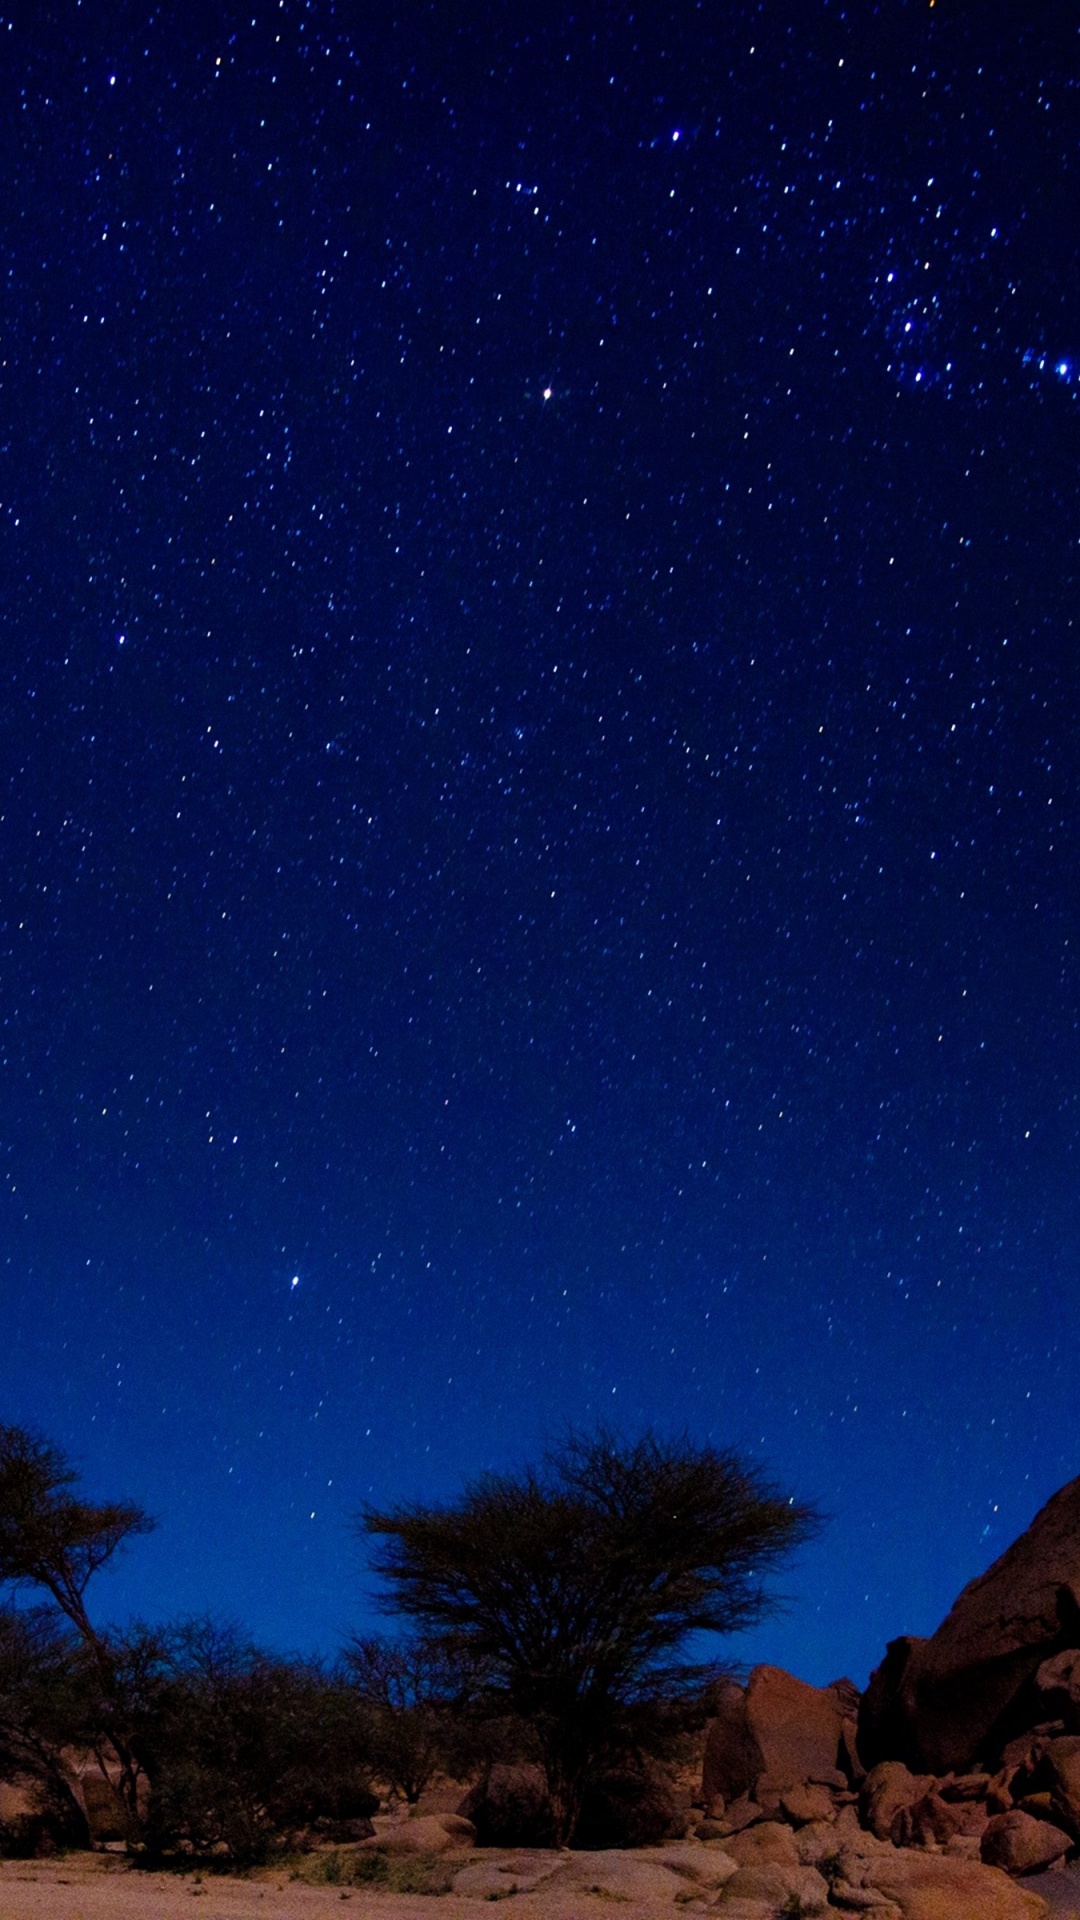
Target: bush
627 1807
246 1752
510 1808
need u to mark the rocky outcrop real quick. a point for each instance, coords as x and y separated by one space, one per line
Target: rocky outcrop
899 1845
1005 1658
777 1734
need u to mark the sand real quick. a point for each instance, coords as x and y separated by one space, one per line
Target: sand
100 1887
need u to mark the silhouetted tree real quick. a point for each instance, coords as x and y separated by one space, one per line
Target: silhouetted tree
410 1695
55 1541
574 1587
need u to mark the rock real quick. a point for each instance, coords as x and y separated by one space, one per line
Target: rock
458 1828
929 1886
500 1878
934 1821
423 1833
741 1813
800 1805
783 1885
1054 1771
509 1808
622 1876
965 1786
711 1830
732 1758
887 1788
957 1698
929 1822
777 1733
862 1900
1057 1682
706 1866
769 1842
1022 1844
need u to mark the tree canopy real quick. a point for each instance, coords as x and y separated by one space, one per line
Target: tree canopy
576 1586
49 1537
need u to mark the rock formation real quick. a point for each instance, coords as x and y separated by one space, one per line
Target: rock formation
1005 1659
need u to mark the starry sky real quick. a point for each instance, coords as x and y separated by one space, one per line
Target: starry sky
540 715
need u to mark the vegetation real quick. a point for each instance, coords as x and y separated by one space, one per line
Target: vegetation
54 1541
574 1589
550 1618
245 1750
411 1697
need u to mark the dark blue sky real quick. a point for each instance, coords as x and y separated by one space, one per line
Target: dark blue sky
539 698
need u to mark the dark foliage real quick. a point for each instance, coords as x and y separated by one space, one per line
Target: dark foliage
50 1538
246 1751
510 1807
46 1702
628 1807
412 1700
574 1588
53 1540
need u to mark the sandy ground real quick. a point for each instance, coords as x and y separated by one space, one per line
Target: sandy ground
95 1887
1060 1889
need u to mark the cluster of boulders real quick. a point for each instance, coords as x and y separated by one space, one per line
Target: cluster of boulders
786 1796
965 1747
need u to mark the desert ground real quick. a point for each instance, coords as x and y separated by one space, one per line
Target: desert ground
544 1886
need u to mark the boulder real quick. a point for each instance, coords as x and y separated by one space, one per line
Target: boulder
932 1822
770 1842
1054 1772
423 1833
704 1866
928 1886
1057 1683
789 1888
777 1732
743 1812
732 1760
800 1805
622 1877
887 1789
1021 1843
955 1699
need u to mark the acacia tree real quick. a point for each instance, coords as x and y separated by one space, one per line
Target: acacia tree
574 1587
55 1541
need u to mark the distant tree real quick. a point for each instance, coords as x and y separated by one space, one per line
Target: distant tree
53 1540
408 1692
575 1587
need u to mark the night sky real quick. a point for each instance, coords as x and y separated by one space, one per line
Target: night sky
540 704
